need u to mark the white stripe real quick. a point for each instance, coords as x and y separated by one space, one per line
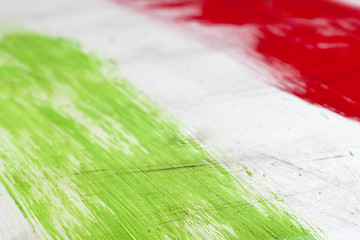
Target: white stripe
271 132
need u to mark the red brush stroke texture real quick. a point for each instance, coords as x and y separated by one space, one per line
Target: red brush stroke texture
314 44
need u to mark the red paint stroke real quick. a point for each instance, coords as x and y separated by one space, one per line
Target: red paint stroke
314 44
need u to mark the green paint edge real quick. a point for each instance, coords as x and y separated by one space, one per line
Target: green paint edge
85 155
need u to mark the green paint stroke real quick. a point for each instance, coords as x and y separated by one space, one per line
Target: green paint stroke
86 156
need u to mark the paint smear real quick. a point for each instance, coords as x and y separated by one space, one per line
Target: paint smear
86 156
314 45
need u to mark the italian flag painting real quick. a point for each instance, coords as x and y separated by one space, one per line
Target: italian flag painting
180 119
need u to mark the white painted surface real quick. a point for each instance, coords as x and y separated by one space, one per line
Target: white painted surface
271 132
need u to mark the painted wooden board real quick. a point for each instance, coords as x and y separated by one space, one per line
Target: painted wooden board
269 140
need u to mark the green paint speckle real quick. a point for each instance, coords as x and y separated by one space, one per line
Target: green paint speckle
324 115
247 171
87 156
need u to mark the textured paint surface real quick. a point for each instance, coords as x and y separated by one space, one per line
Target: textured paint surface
86 156
312 44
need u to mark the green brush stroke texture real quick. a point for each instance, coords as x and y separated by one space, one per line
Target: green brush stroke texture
87 156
